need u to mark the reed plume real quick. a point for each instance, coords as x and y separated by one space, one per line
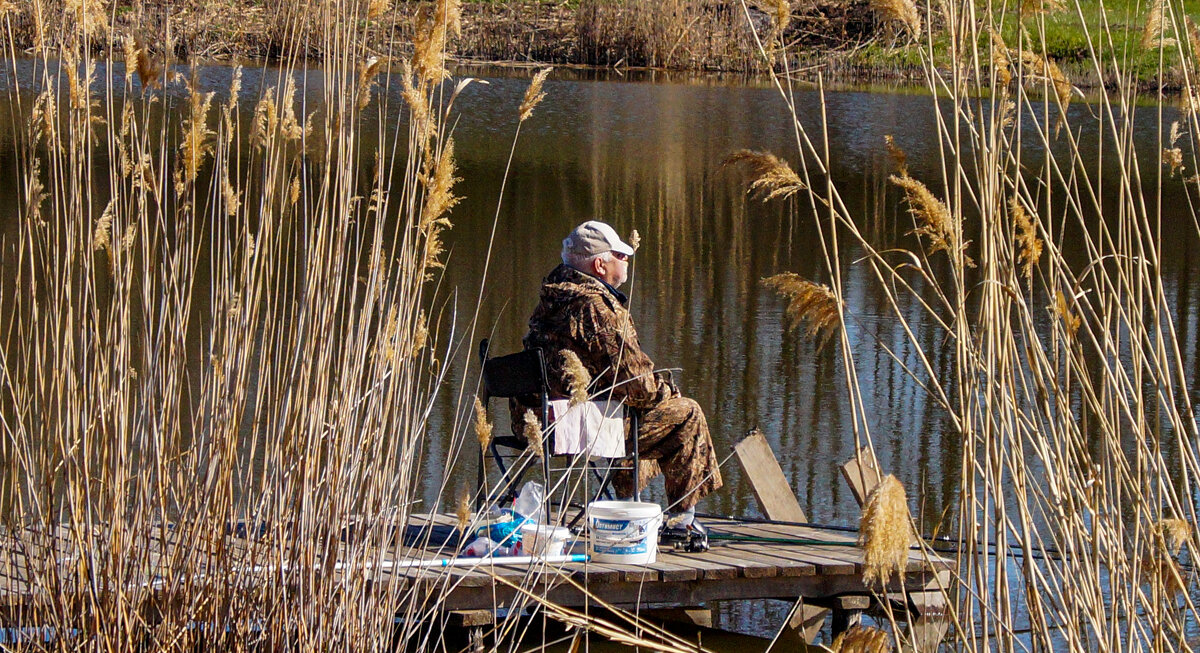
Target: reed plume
770 176
1172 155
1029 246
1159 566
1039 68
149 72
439 181
1034 7
899 156
1062 310
635 240
780 14
367 71
483 427
899 12
933 218
809 302
420 334
533 94
1173 533
102 241
91 18
1000 60
432 38
862 639
377 8
577 376
885 532
1152 33
462 511
532 430
197 144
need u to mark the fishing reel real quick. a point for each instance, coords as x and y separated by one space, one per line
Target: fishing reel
685 539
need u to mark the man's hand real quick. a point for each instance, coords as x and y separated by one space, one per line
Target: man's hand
666 386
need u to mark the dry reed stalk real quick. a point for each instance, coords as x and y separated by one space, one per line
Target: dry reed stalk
577 376
808 302
1029 246
533 94
862 639
483 426
899 12
1193 35
885 532
1060 445
532 431
770 176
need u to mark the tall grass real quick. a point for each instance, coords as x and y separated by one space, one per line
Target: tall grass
218 326
1067 388
219 344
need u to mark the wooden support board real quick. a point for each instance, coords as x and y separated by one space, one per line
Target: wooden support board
766 478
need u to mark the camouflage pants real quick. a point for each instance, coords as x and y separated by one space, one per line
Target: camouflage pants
674 441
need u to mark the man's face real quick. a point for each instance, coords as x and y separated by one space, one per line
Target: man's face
614 271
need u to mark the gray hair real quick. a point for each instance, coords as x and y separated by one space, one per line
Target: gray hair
583 262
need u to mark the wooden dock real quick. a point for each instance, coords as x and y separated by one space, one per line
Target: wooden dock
820 567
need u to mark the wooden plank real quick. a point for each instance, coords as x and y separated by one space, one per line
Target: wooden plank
766 478
783 566
825 561
747 566
708 570
862 473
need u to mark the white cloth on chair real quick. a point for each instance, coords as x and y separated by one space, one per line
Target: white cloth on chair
594 427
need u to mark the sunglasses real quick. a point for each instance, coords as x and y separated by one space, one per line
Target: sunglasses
620 256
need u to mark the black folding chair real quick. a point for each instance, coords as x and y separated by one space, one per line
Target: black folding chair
524 374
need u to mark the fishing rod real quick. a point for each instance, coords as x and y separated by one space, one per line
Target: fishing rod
1015 549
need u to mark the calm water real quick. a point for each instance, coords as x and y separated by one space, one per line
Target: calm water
646 154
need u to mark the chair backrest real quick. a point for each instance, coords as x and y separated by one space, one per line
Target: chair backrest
522 373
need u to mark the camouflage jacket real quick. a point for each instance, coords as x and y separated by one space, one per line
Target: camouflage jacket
587 316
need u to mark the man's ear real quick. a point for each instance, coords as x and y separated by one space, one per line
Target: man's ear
598 266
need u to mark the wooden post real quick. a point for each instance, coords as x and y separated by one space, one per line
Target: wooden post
926 623
766 478
777 501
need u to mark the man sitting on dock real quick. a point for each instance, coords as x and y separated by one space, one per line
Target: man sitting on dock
581 310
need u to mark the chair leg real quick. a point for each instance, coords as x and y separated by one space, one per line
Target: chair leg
635 429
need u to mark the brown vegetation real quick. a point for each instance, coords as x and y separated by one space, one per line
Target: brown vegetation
680 34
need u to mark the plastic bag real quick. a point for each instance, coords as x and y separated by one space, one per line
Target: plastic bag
530 502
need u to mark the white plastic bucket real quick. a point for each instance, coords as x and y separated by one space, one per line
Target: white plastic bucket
543 539
624 532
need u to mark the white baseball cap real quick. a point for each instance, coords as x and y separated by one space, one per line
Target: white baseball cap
594 237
